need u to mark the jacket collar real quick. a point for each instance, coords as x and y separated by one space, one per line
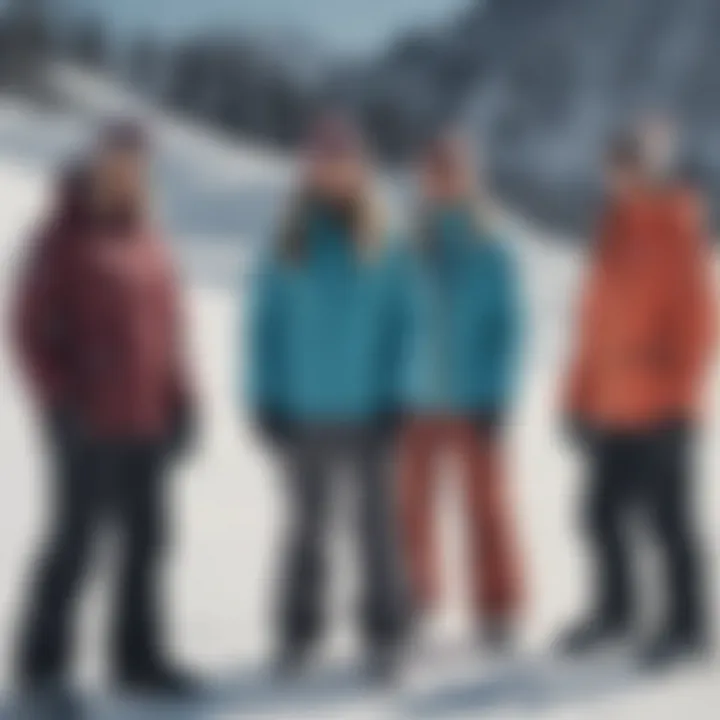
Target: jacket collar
449 230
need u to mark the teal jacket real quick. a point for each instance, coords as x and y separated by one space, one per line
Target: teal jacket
460 310
320 334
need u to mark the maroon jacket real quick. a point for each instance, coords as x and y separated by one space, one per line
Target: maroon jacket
99 329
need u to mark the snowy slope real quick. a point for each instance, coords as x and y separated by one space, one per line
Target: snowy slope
218 202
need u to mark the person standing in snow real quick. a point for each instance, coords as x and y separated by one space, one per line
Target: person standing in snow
321 349
634 390
460 319
99 333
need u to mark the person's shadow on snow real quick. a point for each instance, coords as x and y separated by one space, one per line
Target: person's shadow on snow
533 685
258 690
252 691
47 706
529 684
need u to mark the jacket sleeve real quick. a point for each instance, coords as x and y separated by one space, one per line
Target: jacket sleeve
39 324
578 376
264 342
695 306
577 379
391 365
510 324
183 389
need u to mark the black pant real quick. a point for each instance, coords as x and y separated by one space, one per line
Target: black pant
647 472
99 485
314 459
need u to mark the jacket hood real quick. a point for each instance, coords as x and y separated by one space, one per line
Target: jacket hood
644 223
71 196
452 226
364 219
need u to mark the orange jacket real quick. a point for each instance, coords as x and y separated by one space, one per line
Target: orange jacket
647 320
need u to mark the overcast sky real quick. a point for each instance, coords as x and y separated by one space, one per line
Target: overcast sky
356 26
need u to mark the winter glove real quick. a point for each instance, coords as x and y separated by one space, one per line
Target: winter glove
578 432
388 426
184 430
274 428
489 423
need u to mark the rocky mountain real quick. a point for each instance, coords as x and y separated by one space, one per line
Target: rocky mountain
543 83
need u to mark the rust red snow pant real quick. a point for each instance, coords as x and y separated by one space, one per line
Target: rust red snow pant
478 452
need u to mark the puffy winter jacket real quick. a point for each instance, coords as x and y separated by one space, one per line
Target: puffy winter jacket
320 341
647 321
98 329
460 312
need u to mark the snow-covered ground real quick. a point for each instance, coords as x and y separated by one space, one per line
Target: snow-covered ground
218 202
